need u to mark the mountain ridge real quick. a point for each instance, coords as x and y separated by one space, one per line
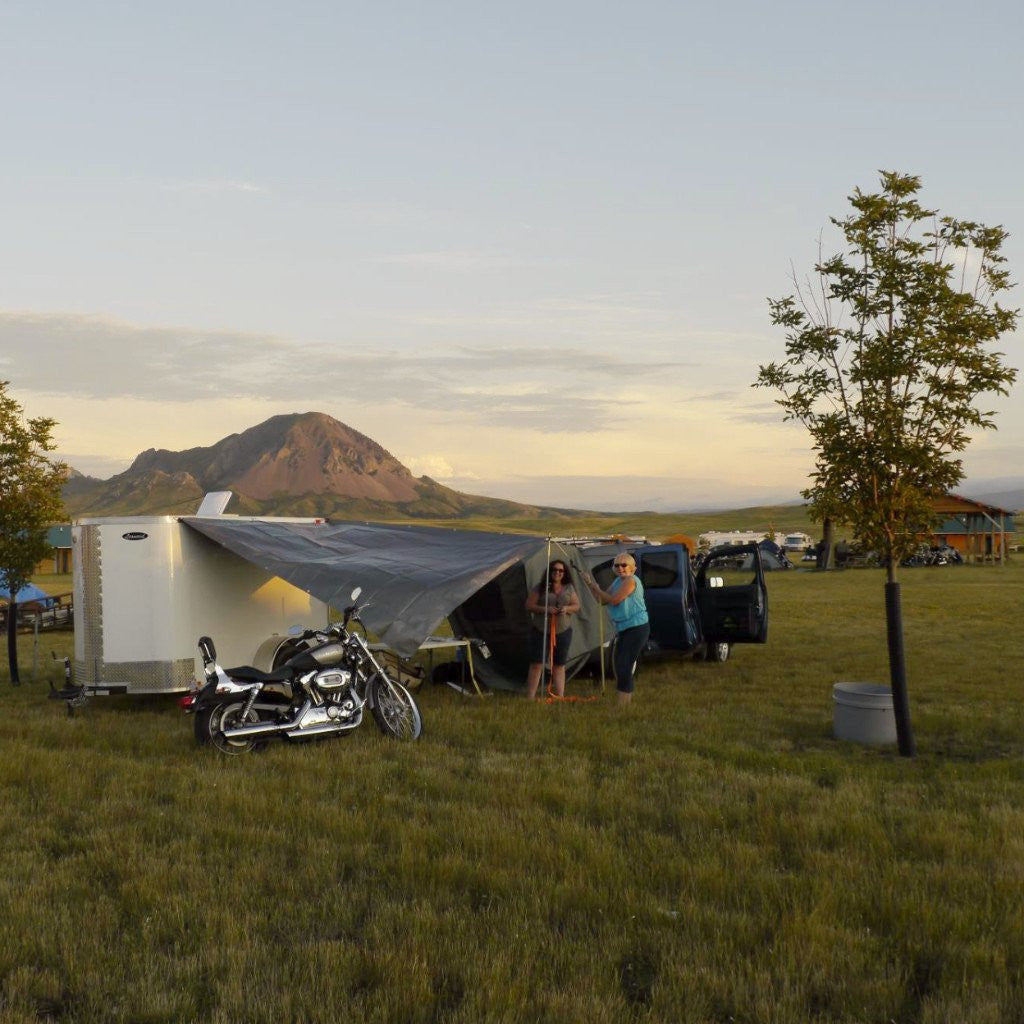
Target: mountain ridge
309 464
291 464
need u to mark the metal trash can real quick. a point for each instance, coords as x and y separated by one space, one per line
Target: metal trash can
863 713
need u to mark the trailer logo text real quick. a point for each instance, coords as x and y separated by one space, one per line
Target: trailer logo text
134 535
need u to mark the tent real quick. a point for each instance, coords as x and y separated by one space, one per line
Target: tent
495 613
29 592
414 577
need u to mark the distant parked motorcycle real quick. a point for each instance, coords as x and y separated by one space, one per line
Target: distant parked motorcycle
320 691
945 554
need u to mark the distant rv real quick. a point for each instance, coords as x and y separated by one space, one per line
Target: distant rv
788 542
713 538
795 542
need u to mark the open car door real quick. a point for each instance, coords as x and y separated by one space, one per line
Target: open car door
732 596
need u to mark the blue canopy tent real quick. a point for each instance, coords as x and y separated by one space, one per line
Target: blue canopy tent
29 592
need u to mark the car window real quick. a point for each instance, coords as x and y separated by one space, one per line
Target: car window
603 574
735 570
659 569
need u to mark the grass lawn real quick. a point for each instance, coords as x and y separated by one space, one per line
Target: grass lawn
710 855
653 525
54 583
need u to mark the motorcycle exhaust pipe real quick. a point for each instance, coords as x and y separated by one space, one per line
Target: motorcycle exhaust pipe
325 727
266 728
241 731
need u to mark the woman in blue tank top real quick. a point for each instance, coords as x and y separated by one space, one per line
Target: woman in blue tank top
625 601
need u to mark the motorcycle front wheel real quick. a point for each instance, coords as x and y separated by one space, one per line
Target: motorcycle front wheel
394 709
229 716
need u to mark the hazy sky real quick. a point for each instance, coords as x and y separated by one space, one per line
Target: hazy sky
526 247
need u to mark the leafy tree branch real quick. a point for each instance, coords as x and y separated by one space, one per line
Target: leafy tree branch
887 357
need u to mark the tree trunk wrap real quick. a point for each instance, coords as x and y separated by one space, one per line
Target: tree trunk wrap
12 641
827 537
898 670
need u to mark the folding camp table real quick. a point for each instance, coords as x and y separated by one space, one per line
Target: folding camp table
436 643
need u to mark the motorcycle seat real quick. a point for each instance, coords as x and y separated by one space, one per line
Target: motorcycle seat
248 674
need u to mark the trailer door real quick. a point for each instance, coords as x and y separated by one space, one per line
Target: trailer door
732 596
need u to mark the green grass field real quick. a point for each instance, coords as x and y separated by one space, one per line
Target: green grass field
709 855
653 525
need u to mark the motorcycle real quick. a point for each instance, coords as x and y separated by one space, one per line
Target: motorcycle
320 691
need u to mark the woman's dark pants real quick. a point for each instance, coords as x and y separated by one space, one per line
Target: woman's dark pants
628 645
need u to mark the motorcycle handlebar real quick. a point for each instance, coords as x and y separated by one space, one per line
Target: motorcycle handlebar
321 634
351 614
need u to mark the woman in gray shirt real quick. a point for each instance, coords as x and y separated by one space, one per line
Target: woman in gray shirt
551 605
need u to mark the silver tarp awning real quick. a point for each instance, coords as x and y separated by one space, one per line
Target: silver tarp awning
411 577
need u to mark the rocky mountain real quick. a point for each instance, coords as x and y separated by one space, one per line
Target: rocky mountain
299 464
78 482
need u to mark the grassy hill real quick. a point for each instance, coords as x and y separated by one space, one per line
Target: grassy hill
711 855
654 525
495 514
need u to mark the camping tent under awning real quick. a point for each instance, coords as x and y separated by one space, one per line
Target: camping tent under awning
411 577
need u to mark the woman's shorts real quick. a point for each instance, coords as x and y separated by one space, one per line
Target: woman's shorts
540 647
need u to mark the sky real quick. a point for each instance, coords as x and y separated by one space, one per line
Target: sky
525 247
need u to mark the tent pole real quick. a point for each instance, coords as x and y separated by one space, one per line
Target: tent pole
546 669
600 613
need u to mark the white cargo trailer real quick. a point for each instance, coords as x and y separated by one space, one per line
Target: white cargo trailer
147 587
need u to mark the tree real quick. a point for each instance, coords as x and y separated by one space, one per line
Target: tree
887 356
30 500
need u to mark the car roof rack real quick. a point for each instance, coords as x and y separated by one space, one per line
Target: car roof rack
588 542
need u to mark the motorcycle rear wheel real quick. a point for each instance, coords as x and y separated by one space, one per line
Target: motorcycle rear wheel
201 724
394 709
229 716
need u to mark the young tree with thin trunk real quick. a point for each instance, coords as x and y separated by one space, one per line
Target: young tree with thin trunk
30 501
888 354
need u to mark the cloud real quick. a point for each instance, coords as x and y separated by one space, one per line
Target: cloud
542 389
454 260
762 412
541 360
631 319
214 187
616 493
433 465
100 466
100 357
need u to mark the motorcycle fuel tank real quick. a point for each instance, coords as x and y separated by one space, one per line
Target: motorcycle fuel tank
326 656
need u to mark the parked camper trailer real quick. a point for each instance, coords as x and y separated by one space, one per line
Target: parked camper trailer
146 587
797 542
715 538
